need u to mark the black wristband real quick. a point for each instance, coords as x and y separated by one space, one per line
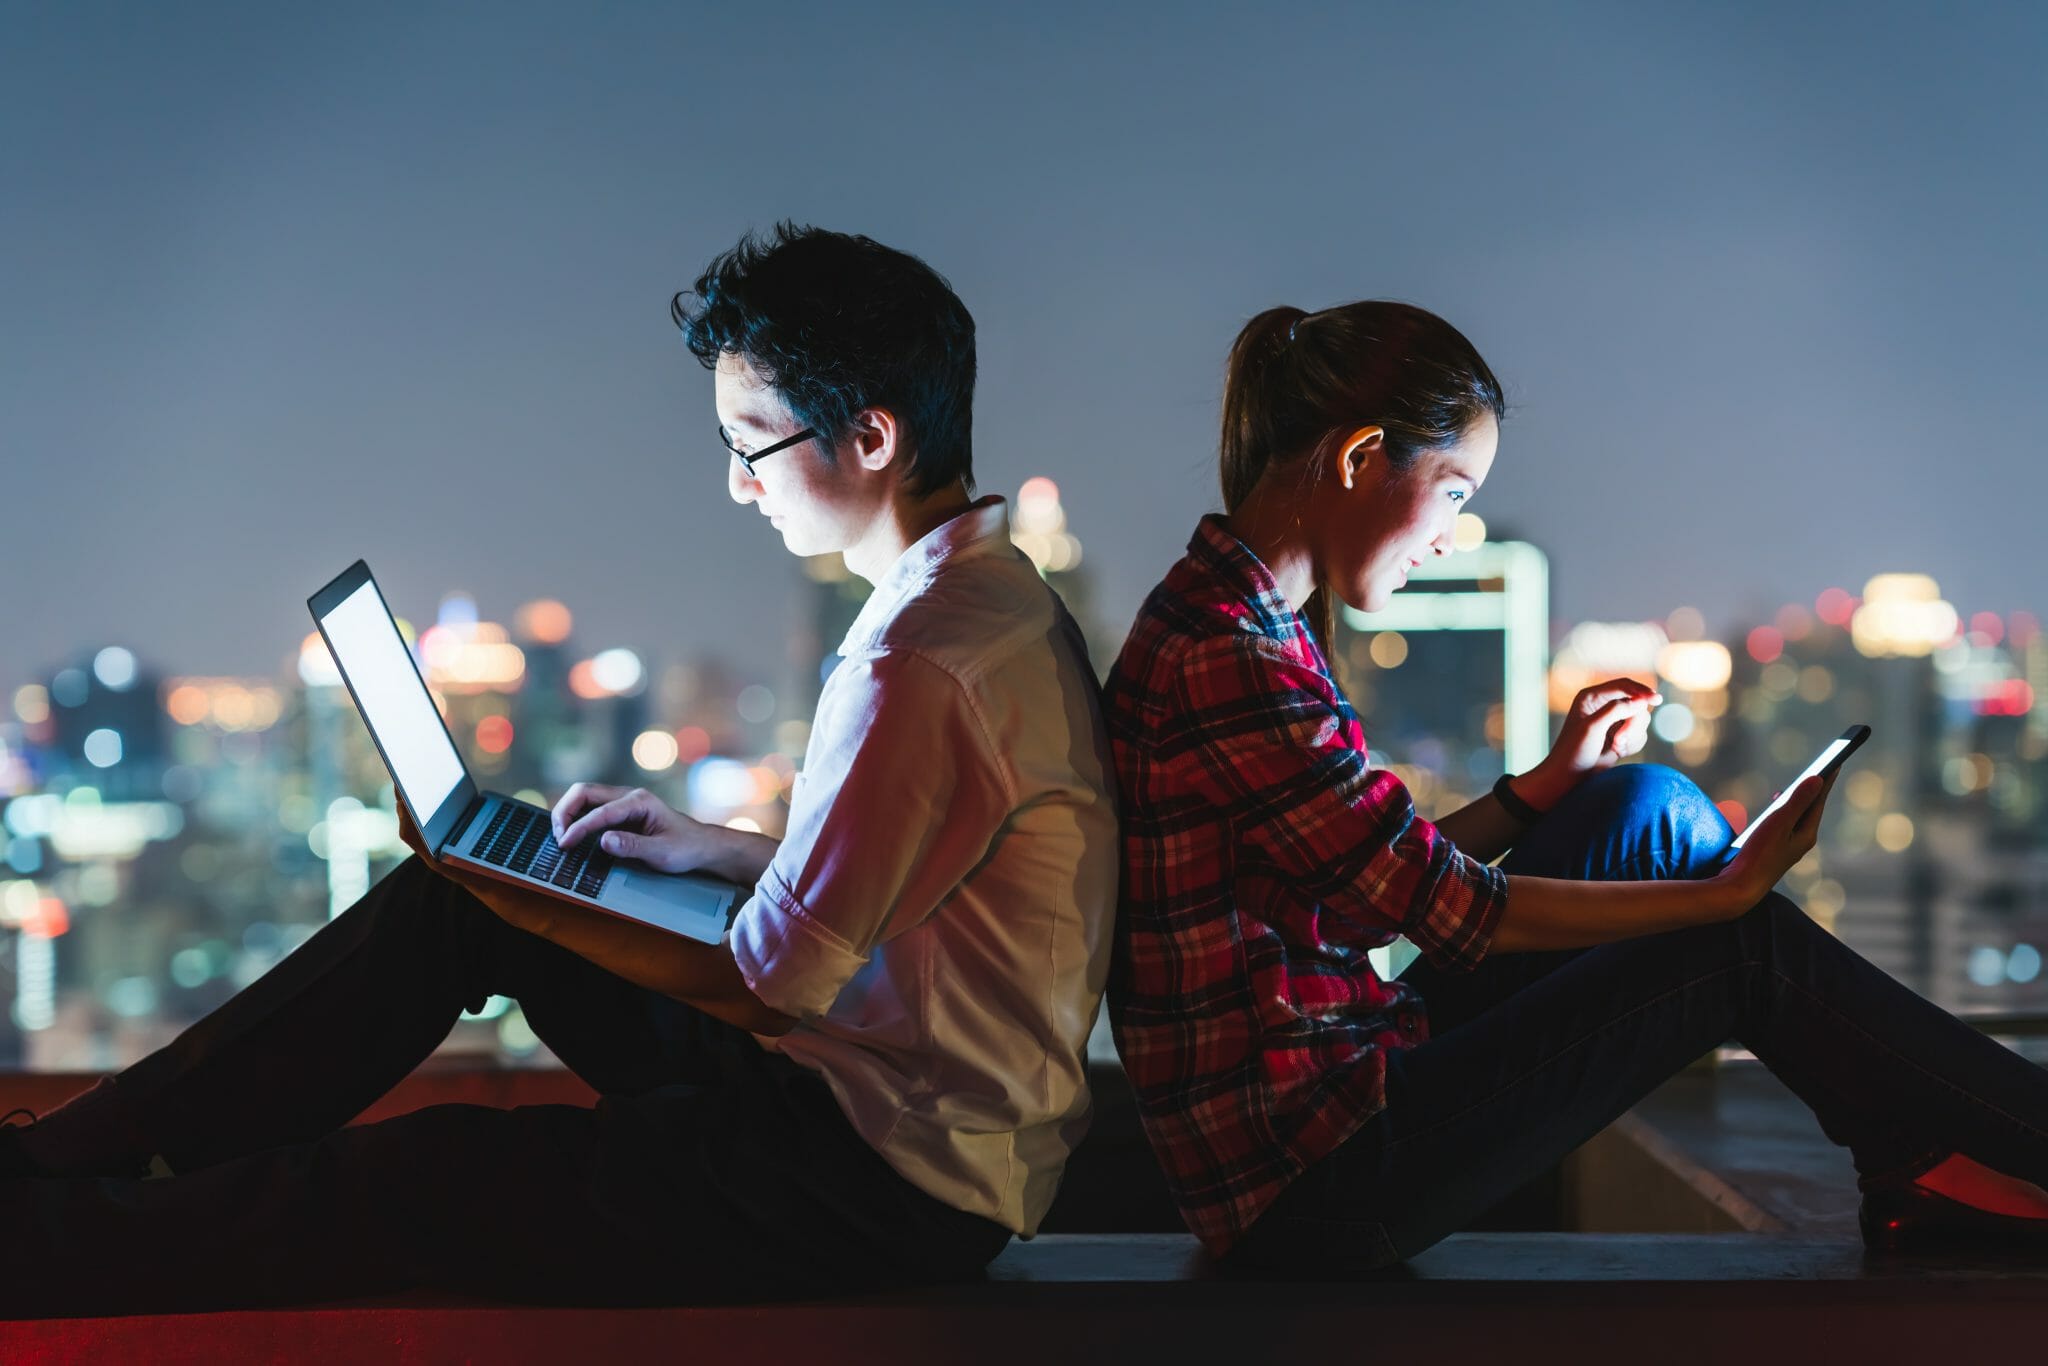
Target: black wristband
1504 793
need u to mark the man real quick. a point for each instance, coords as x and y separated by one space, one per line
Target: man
876 1076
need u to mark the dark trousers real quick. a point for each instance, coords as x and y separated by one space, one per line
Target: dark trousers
1532 1054
711 1169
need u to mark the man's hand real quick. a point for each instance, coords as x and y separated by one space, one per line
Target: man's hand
529 911
1606 723
631 822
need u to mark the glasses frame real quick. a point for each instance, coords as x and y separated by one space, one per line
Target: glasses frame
747 461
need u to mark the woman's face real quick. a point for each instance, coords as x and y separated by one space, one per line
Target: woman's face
1385 523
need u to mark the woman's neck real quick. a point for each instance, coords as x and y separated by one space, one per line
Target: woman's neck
1271 524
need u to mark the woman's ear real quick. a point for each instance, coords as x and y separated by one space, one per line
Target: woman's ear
1360 449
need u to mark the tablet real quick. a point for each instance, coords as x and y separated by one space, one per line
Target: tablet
1831 758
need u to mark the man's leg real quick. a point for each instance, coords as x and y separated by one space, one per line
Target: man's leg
755 1187
325 1033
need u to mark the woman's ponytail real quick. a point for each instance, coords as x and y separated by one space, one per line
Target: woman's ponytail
1249 395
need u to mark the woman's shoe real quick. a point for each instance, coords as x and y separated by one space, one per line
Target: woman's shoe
1907 1218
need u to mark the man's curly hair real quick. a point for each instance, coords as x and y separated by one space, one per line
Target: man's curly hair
840 323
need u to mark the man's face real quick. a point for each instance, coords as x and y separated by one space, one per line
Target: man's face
816 502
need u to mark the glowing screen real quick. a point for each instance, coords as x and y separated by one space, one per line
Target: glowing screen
1826 757
395 702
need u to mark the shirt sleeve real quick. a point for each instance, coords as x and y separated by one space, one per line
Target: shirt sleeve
1261 737
900 798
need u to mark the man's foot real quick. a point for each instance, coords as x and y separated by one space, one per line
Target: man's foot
14 1163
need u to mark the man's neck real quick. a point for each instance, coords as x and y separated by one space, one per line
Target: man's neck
905 522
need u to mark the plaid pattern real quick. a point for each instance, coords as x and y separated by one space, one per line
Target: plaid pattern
1263 856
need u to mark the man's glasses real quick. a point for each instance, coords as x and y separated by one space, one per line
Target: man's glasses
747 459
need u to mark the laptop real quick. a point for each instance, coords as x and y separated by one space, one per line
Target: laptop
496 835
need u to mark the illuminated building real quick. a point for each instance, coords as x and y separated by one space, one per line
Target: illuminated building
1449 676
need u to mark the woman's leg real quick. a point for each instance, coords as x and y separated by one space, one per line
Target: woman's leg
307 1047
1634 822
1478 1110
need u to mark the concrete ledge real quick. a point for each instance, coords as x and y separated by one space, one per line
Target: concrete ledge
1062 1301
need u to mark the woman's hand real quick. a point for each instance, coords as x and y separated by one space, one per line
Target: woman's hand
1780 840
631 822
1606 723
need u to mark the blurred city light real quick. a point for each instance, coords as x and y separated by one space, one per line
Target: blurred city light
115 668
1903 615
617 672
654 750
1040 529
1695 665
545 622
32 704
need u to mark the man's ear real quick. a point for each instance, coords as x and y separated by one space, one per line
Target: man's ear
1364 447
875 438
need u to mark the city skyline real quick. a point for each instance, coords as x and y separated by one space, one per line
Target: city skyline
163 838
297 289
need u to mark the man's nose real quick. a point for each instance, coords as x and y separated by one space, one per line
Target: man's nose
743 487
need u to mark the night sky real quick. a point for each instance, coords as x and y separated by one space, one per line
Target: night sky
1766 285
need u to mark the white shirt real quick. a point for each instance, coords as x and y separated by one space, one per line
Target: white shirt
938 916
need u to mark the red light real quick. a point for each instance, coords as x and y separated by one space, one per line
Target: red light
46 919
1834 606
692 744
1734 813
1986 629
2009 697
1766 643
494 735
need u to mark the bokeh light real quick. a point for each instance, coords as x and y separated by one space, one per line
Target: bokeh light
545 622
654 750
115 668
102 748
494 734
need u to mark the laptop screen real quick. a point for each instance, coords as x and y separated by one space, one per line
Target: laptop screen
395 703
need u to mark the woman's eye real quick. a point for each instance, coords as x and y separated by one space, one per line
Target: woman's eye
1457 495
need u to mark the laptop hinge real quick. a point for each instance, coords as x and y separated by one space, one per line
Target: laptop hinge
476 804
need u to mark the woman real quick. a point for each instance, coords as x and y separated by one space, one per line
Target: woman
1305 1108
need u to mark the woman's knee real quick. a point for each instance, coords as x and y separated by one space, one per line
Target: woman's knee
1644 794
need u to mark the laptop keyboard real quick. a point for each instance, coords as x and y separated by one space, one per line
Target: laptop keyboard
519 840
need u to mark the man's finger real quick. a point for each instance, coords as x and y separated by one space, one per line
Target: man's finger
622 843
618 811
580 798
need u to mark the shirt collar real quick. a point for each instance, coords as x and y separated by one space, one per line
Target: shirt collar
984 525
1217 553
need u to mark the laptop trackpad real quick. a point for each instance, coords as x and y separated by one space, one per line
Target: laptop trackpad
693 907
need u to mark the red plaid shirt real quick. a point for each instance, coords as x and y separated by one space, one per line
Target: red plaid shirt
1263 856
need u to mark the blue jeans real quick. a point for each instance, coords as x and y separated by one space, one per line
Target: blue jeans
1531 1054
